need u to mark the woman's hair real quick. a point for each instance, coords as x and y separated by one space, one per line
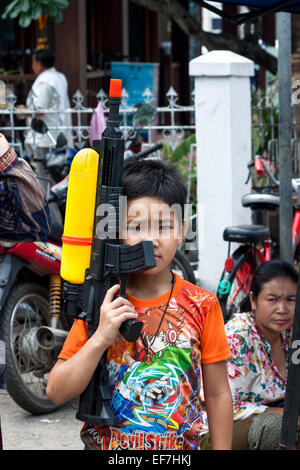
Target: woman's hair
270 270
154 178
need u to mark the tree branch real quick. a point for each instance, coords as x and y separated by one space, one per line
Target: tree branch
181 16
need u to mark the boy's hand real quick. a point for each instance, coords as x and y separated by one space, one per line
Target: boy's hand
113 313
4 145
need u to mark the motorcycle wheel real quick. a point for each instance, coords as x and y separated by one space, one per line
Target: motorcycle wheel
25 308
181 266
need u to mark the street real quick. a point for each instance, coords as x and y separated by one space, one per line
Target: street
23 431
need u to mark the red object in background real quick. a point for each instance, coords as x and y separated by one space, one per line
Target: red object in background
229 264
42 257
115 88
259 167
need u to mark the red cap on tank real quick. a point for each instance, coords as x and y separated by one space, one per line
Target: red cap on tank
115 88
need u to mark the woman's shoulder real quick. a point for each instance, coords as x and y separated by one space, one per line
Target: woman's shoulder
241 324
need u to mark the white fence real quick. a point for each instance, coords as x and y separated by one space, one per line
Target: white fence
165 126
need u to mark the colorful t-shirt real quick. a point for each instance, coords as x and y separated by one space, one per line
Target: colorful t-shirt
253 377
155 381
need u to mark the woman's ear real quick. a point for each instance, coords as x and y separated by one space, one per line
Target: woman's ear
252 301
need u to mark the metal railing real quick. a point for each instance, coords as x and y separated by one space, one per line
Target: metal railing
265 117
165 127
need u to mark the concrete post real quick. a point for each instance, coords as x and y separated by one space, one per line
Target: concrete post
223 137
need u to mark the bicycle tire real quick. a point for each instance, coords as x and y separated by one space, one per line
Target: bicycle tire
237 282
182 267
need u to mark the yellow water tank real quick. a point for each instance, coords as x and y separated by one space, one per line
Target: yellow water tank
79 217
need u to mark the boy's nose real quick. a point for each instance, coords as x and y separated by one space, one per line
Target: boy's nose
155 242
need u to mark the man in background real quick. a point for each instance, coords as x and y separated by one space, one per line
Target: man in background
49 91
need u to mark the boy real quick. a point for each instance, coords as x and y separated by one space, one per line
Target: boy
155 381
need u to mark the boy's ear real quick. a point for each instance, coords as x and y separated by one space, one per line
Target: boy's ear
182 232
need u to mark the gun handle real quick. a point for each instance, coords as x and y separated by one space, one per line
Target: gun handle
131 329
94 404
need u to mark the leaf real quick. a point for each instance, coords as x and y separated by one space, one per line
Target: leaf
9 8
59 17
166 150
25 6
183 149
51 9
36 11
24 20
61 3
15 12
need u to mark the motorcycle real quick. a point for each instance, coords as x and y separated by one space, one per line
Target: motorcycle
30 296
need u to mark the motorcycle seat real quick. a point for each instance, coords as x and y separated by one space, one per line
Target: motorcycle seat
246 233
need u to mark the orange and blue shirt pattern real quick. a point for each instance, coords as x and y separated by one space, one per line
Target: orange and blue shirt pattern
156 381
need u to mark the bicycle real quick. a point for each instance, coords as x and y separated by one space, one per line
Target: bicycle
256 246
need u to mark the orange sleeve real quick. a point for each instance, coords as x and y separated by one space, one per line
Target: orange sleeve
214 344
77 337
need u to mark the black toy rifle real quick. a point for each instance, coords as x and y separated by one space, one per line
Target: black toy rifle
110 261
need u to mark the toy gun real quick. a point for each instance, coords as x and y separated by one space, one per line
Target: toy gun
92 257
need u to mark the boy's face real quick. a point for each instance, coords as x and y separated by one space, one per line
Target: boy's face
151 219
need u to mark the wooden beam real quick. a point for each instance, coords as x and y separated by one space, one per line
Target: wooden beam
70 46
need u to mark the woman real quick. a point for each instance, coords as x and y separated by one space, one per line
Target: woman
259 342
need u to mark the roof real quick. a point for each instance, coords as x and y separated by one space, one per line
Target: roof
261 7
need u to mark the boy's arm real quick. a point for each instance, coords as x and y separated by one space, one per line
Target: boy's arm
218 404
70 378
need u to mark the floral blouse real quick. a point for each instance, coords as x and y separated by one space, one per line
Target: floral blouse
253 377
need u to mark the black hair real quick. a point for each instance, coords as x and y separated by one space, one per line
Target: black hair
270 270
154 178
45 57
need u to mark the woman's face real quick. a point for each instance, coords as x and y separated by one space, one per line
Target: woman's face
275 304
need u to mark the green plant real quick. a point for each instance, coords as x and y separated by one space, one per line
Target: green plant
29 10
264 123
180 156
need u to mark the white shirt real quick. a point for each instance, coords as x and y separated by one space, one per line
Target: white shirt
49 91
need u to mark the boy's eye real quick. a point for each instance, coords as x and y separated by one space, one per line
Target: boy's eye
134 227
164 227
